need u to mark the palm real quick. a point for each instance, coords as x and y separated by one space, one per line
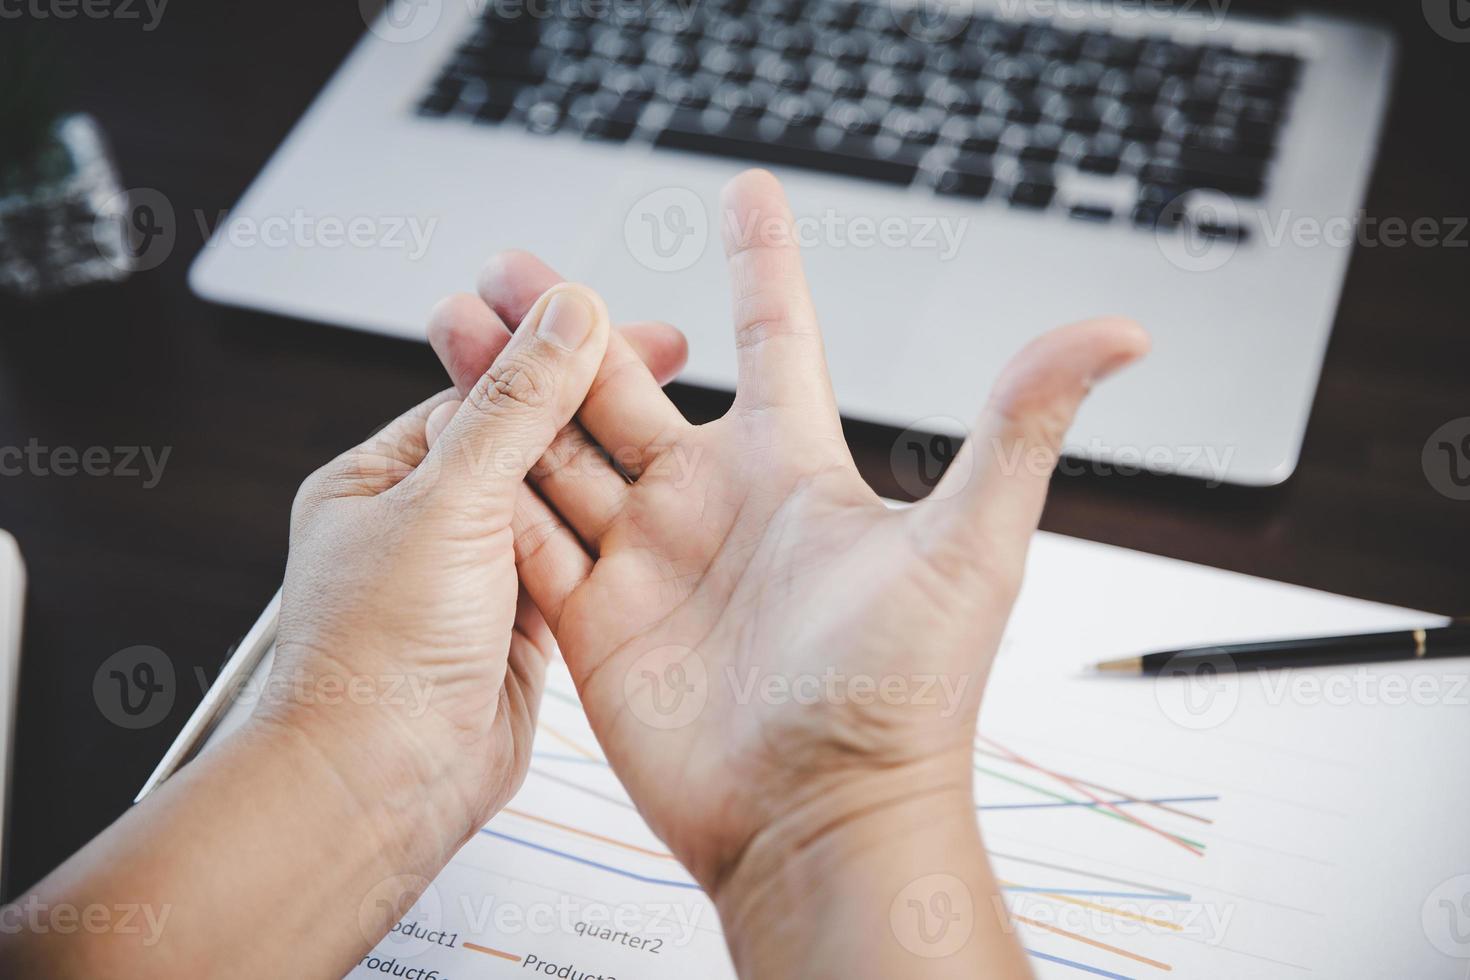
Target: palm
747 557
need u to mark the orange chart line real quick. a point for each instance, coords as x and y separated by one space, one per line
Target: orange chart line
1091 942
1097 799
587 833
1097 907
1118 792
571 743
493 952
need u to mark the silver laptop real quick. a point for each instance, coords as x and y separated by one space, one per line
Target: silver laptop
963 178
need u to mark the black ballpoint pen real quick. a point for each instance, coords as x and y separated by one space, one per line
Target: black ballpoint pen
1316 651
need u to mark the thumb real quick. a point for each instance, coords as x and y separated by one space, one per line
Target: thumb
990 499
523 400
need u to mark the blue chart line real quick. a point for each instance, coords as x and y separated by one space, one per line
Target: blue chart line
590 863
1091 804
1095 970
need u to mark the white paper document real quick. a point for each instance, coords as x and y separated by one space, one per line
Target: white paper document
1282 824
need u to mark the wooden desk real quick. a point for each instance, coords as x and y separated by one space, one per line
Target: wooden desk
250 404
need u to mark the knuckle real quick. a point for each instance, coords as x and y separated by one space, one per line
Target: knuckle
522 384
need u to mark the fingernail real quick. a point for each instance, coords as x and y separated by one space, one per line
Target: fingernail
566 321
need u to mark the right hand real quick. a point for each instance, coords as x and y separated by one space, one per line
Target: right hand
749 552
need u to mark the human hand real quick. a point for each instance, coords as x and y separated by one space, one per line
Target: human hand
400 605
749 551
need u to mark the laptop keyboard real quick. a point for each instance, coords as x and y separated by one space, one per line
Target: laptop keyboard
1100 126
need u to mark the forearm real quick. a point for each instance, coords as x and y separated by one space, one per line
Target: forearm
268 856
900 887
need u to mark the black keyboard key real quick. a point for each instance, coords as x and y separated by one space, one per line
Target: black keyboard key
975 181
746 140
792 41
979 136
905 56
913 126
739 34
898 88
1033 189
1072 79
1221 230
1102 163
1246 71
604 116
845 49
731 64
852 119
1019 73
687 93
673 56
1091 212
840 81
951 97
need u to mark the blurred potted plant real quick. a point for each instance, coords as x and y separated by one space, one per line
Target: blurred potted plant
59 193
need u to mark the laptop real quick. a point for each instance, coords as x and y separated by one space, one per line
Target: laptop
963 178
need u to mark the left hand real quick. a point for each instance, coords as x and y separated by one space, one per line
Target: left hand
403 634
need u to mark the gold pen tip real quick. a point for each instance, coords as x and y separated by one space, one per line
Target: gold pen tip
1133 664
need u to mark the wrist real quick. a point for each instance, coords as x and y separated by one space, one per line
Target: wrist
378 762
884 875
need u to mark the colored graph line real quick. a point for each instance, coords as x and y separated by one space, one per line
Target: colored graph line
1161 804
1092 807
623 872
1173 896
569 784
1092 892
1118 802
1194 847
588 834
1094 970
563 696
492 952
1107 909
1091 942
571 743
562 757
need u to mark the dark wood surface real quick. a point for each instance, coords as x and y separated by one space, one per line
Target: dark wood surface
249 404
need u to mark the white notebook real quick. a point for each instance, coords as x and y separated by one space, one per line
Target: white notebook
1274 825
12 601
